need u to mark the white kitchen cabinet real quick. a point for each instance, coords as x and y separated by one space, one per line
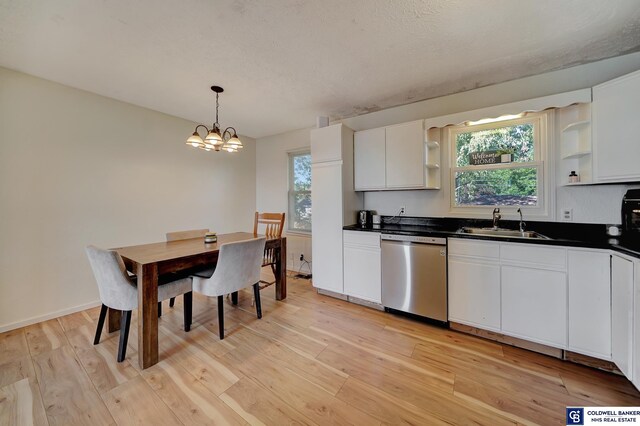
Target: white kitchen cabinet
589 276
362 265
369 159
534 305
334 201
474 292
622 296
636 325
405 155
395 157
615 144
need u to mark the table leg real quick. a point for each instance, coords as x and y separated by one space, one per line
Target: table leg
113 320
147 315
281 270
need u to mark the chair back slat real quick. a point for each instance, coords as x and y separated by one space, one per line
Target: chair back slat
272 223
186 235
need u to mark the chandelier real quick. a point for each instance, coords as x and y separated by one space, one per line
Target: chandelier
215 139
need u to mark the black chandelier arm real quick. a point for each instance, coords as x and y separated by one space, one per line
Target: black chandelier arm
229 132
202 125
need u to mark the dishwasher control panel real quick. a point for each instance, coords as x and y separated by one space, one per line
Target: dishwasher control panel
414 239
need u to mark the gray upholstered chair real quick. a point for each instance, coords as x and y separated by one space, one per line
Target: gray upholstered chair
238 267
118 291
183 235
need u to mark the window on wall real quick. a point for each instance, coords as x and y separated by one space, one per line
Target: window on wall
300 191
499 163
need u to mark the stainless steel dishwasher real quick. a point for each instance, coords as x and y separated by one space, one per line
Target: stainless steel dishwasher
414 275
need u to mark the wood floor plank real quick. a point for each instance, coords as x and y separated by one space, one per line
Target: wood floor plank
45 336
16 370
13 345
21 404
77 319
213 374
522 406
307 398
189 400
134 403
257 405
405 366
386 407
67 392
486 369
323 375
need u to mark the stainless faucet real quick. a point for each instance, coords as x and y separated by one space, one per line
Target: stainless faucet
522 223
496 217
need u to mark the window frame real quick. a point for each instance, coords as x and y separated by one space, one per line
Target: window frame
291 193
543 146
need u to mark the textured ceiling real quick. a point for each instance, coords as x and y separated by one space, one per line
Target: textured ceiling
282 63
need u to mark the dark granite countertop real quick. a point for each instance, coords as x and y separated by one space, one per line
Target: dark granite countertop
559 233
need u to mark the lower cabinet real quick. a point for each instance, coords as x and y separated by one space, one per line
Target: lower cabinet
622 296
636 326
589 276
362 265
534 305
474 293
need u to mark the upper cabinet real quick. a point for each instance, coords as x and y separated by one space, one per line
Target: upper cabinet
394 157
404 151
369 159
616 144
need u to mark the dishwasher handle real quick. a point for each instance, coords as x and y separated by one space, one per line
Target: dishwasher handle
414 239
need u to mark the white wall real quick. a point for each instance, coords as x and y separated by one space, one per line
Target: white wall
77 169
272 184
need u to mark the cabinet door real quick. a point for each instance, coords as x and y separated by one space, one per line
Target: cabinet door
369 159
534 305
622 313
474 293
616 147
636 326
326 227
590 303
326 144
362 273
405 157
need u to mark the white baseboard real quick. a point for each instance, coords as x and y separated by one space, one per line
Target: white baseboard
40 318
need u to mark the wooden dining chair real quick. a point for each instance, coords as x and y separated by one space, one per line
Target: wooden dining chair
118 291
238 267
271 225
183 235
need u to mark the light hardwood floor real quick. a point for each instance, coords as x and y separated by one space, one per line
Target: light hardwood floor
310 360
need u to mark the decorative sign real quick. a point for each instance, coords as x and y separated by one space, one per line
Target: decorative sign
489 157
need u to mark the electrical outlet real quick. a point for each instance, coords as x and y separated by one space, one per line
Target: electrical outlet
301 257
567 215
401 210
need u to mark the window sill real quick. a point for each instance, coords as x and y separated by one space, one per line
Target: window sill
298 233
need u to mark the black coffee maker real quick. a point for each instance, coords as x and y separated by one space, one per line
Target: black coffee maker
631 213
365 218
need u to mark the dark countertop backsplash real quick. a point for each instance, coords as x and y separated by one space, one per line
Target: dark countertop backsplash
559 233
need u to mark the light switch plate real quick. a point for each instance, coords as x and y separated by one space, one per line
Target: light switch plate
567 215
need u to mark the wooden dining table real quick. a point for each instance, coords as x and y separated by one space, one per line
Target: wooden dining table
151 262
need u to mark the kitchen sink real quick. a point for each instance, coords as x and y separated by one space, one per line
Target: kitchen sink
507 233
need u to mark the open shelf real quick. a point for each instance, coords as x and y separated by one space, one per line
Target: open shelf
433 144
433 166
576 184
576 125
576 154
